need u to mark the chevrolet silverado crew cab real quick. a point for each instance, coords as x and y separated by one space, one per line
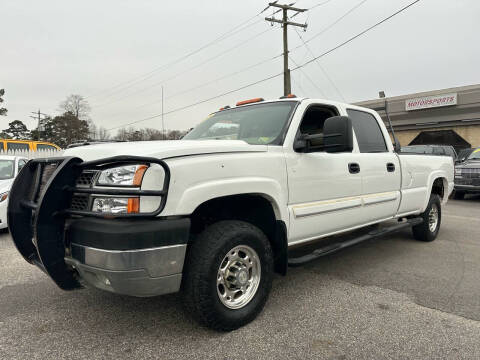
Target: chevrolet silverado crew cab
215 214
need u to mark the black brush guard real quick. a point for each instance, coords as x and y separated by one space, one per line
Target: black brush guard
39 206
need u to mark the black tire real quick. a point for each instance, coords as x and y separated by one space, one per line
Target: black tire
458 195
203 260
422 232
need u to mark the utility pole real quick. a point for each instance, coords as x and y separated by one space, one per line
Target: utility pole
163 123
37 117
287 87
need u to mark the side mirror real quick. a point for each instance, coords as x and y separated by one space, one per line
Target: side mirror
338 134
337 137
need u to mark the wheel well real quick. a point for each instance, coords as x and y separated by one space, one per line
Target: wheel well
251 208
438 187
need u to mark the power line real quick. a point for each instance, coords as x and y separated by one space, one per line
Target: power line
147 75
328 27
213 81
356 36
199 102
312 7
186 71
321 67
308 78
273 76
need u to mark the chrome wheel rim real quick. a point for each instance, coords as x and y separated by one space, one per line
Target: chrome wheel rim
238 277
433 218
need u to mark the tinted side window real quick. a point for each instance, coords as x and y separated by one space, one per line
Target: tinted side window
17 146
438 151
368 133
45 147
450 152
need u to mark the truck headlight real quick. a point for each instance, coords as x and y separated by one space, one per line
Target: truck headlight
130 175
113 205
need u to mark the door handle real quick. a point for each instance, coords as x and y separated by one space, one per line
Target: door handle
353 168
390 167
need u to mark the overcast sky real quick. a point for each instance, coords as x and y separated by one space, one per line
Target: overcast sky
103 50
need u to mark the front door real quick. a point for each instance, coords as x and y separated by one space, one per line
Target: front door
324 189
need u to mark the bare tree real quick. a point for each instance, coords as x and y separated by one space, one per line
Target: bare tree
76 105
3 111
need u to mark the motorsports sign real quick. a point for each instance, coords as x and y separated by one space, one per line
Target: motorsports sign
427 102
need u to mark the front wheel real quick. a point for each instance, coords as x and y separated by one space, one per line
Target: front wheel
228 275
432 216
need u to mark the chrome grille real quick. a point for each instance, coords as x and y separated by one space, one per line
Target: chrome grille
471 173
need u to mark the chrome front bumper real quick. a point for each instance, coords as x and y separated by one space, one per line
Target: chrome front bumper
140 272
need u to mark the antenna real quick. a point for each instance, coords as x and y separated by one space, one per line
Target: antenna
396 143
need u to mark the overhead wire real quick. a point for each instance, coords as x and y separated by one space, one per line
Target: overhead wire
325 73
180 73
213 80
308 78
143 77
199 102
355 36
328 27
298 67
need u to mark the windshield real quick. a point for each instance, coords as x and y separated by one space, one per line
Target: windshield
475 155
7 169
255 124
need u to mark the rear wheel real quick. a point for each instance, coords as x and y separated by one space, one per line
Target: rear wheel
459 195
228 275
432 216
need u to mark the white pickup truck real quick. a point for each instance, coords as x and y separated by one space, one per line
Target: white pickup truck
215 214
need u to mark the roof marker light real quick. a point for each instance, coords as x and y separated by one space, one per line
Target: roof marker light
289 96
250 101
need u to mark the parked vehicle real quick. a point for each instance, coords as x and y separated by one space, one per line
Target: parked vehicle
467 176
215 214
91 142
9 168
444 150
463 155
27 145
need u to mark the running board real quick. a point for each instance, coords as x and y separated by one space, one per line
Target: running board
331 248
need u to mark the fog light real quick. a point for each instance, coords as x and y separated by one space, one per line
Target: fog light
112 205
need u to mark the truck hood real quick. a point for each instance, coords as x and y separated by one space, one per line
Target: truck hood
162 149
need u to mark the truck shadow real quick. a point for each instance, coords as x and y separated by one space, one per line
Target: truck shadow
94 313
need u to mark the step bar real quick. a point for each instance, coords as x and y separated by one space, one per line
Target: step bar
331 248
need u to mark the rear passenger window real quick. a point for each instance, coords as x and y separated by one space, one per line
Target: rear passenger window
17 146
368 132
438 151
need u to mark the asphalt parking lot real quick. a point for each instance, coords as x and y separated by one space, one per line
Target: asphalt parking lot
388 298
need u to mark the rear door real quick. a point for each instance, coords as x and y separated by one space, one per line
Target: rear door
380 167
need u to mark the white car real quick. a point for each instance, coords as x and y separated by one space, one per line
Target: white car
9 168
216 213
